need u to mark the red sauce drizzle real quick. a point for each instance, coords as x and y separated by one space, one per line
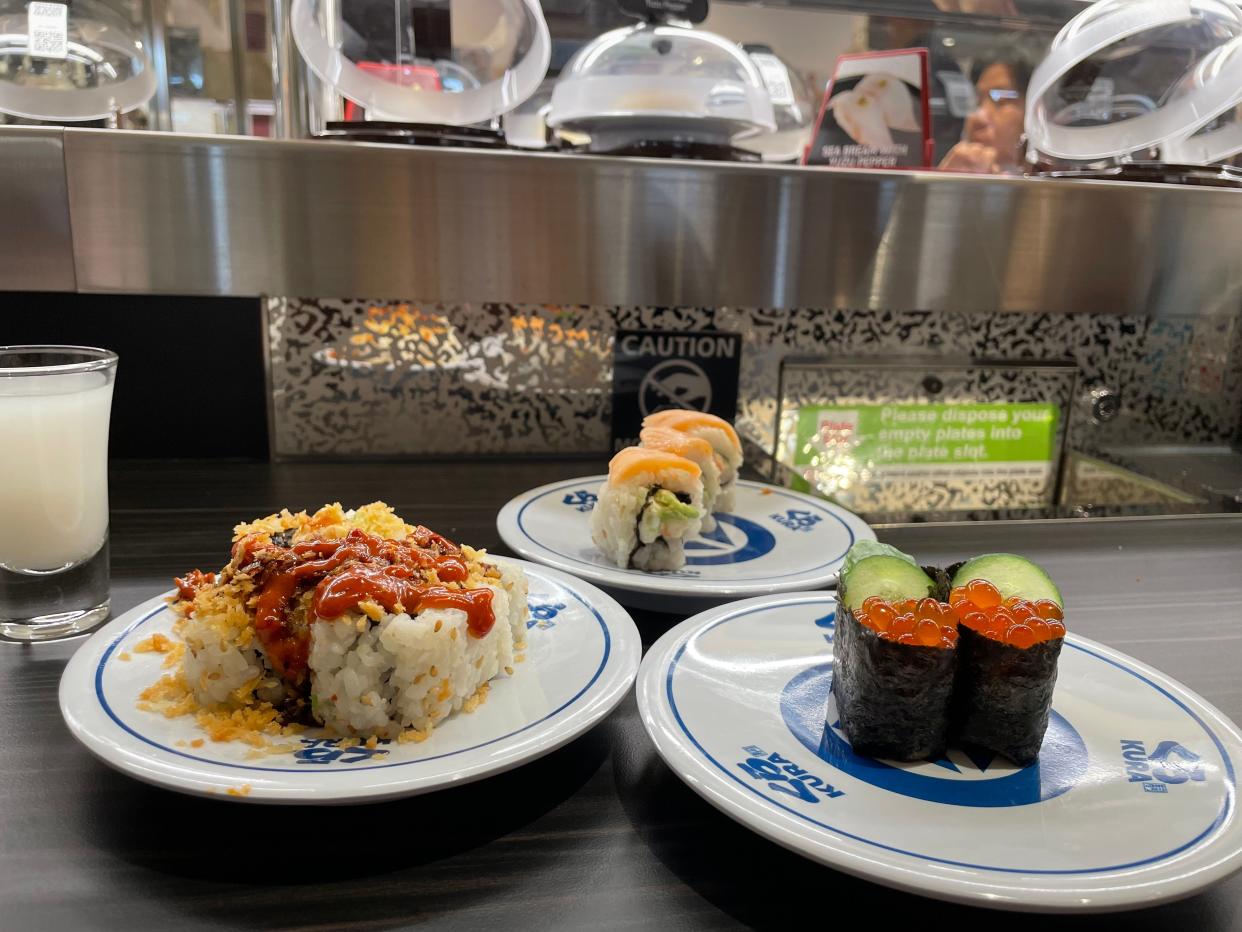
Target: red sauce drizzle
189 584
361 567
391 586
243 550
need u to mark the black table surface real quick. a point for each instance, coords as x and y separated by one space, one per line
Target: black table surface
598 834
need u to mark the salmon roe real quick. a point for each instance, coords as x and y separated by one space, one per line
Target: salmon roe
924 623
979 606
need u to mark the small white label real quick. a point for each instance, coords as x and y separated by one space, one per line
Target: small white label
48 28
775 77
1099 103
959 93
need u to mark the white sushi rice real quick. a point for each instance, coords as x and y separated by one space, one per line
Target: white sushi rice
616 525
711 492
217 667
370 677
403 672
728 462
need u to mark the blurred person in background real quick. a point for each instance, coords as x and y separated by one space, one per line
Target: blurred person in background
979 7
992 136
962 49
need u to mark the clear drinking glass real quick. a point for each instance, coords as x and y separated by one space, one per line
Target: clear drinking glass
55 404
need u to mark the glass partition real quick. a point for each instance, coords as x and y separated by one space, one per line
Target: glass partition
215 66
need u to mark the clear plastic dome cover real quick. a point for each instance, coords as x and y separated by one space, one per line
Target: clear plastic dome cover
1220 137
105 70
1126 76
453 62
793 106
662 81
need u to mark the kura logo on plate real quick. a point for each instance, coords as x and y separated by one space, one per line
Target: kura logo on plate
1171 763
580 500
734 540
542 613
963 777
327 751
797 519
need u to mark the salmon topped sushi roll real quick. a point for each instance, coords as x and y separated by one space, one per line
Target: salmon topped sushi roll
716 431
651 503
699 452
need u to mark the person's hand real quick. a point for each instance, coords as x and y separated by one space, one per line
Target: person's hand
971 157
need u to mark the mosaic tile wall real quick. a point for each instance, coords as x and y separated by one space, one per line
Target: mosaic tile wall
393 378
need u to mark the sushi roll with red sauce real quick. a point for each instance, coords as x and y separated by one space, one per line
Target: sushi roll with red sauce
1010 617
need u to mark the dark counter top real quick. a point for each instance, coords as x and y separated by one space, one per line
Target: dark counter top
597 834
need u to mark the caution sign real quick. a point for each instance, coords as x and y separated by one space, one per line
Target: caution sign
655 369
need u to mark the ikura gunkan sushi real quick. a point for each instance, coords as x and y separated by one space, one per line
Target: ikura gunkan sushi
1011 621
924 657
353 620
650 505
894 656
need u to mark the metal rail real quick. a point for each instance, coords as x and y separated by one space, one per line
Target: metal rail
177 214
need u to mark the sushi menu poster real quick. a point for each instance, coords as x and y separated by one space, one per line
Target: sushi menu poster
657 369
875 113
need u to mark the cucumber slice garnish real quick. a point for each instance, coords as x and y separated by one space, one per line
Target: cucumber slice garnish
1012 575
872 548
889 577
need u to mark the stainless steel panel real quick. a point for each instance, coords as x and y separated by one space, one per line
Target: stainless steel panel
181 214
36 245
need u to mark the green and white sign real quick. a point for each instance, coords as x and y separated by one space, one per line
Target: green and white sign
930 439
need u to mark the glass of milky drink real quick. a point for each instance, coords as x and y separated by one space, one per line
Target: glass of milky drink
55 403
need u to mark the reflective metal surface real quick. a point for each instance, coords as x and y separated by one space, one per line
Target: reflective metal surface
289 78
155 14
36 245
237 60
207 215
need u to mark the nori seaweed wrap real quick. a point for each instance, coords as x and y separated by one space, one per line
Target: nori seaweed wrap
1007 669
893 695
912 674
1003 694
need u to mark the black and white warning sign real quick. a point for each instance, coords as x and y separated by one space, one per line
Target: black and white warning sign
656 369
47 25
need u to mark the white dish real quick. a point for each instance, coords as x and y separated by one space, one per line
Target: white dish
581 658
776 540
1131 803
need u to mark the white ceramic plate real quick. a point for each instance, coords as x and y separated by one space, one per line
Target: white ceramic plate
776 540
581 657
1132 801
